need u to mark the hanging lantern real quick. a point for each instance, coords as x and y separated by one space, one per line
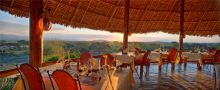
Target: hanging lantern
45 24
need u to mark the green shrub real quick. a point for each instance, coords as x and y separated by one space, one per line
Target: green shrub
54 58
9 84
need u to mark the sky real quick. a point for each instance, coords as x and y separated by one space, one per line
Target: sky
14 28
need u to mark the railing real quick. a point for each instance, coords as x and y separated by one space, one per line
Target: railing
15 71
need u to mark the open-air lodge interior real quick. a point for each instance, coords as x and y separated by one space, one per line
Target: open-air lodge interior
126 70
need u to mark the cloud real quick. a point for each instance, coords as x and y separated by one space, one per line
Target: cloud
13 28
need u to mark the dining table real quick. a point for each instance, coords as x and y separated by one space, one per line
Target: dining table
111 79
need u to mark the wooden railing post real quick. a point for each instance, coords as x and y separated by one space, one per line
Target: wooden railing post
36 33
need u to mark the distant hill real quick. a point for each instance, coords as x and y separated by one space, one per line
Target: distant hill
13 37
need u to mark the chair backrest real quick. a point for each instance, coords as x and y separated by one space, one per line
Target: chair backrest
64 80
109 59
145 57
212 51
172 54
84 57
217 56
33 77
137 51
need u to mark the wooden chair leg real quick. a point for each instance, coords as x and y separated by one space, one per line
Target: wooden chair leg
160 65
172 66
199 66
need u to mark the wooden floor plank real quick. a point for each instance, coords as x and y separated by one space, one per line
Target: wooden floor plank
190 79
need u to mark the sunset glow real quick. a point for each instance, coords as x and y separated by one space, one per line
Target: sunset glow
19 27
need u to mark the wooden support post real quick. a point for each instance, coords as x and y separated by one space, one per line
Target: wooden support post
36 34
126 24
181 34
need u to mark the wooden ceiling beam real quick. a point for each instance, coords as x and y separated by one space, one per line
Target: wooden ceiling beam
173 14
56 8
96 17
45 4
212 30
142 17
106 16
201 18
12 3
113 13
185 22
85 11
151 24
76 10
154 9
67 8
170 13
162 16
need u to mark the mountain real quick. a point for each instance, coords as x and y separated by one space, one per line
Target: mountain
13 37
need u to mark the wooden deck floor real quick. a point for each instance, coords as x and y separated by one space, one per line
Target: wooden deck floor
179 79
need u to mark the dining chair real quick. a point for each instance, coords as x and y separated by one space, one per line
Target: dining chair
145 61
137 51
84 59
168 58
207 59
65 81
108 59
31 77
217 69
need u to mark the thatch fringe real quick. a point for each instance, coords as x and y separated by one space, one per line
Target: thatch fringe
202 17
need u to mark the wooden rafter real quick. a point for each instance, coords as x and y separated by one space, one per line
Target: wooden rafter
56 8
167 18
113 13
45 4
85 11
76 10
151 19
142 17
67 8
12 3
185 22
205 9
212 30
96 15
173 14
170 13
163 17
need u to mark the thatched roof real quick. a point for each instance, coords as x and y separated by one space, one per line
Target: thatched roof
202 17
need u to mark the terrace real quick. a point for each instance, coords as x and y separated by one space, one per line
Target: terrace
183 17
